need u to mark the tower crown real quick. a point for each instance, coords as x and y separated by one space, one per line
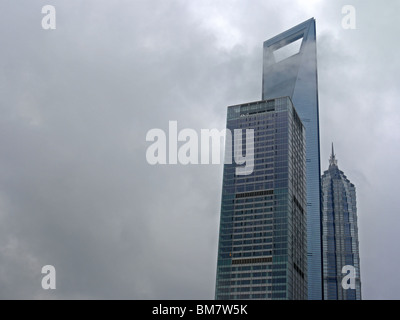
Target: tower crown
333 161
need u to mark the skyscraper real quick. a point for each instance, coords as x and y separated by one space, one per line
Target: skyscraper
340 234
270 227
296 77
262 241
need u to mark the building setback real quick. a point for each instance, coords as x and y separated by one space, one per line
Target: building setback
262 251
340 233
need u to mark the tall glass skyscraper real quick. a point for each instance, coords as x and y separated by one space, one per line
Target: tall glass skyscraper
340 233
270 227
296 77
262 251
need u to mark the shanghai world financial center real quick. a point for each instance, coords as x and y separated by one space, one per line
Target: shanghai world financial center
270 238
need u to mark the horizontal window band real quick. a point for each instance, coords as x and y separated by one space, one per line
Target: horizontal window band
254 194
252 260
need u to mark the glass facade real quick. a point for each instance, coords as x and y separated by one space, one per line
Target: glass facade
339 233
262 252
296 77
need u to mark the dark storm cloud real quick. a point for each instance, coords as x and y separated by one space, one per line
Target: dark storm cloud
76 104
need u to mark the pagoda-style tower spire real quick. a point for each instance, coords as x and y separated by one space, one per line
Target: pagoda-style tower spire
332 160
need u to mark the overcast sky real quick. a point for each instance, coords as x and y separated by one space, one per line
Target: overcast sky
76 191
